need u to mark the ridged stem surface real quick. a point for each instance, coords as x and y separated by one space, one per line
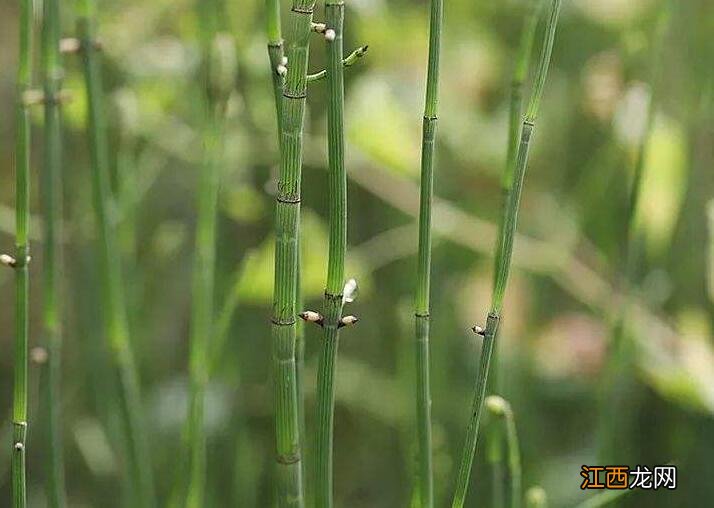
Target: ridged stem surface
424 480
52 259
22 253
276 51
287 216
137 456
504 251
332 310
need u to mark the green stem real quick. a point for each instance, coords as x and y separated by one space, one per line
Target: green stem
216 82
113 305
614 411
332 311
503 255
276 52
287 217
501 409
347 61
52 204
425 478
22 253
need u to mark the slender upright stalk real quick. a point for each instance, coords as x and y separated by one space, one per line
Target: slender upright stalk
337 198
520 72
113 306
276 52
52 204
278 68
501 409
287 217
619 357
216 81
22 257
503 255
425 478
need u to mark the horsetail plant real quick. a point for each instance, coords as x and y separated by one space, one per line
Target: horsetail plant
334 289
116 327
501 411
276 52
217 70
520 72
52 204
21 259
291 110
425 479
504 252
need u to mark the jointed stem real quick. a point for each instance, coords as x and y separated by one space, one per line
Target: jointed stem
287 216
332 311
52 205
504 252
425 479
113 305
22 254
276 52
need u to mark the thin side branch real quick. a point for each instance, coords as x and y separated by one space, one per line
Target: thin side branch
348 61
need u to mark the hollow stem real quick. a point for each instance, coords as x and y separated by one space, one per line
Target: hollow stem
425 480
287 216
52 205
22 257
504 251
116 329
332 310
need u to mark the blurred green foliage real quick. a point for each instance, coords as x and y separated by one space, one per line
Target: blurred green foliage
563 295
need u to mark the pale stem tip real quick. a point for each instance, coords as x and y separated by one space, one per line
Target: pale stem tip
349 291
318 27
348 321
311 316
32 97
70 45
478 330
39 355
497 405
8 260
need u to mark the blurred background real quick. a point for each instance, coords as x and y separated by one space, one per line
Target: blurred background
564 296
